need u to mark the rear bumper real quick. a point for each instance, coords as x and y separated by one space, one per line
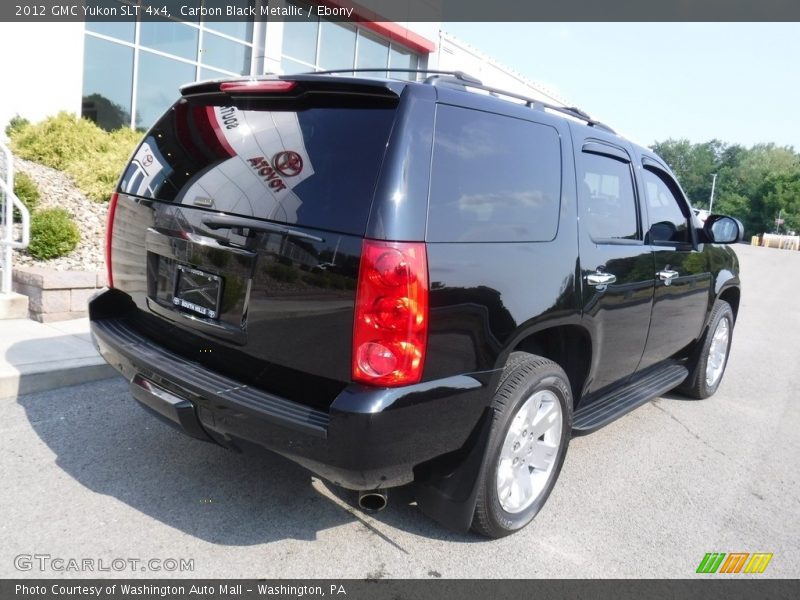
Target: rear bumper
369 438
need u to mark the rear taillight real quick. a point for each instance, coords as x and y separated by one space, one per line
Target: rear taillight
391 316
112 209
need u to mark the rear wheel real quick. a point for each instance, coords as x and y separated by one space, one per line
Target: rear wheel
708 363
529 439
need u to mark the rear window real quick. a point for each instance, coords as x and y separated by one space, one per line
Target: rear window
315 167
494 179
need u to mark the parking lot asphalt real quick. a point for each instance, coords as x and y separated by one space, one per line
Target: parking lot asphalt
87 474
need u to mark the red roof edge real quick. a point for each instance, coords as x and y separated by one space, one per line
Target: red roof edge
389 29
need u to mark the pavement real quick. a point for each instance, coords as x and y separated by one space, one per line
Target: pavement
87 474
36 357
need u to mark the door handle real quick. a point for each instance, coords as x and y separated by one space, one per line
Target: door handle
667 276
600 279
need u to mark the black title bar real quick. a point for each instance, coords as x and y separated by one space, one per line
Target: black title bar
391 589
401 10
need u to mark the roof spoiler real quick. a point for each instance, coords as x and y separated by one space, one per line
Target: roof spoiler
295 87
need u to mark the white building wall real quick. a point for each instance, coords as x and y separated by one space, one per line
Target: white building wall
454 54
430 31
42 66
41 69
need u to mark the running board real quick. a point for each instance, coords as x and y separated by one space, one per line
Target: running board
623 400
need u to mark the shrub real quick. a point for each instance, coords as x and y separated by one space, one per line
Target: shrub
27 191
53 234
58 141
281 272
16 123
98 176
93 157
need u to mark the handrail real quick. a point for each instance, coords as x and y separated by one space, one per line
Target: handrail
8 243
25 224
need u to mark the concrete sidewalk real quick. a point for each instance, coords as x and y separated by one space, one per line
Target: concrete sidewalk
35 356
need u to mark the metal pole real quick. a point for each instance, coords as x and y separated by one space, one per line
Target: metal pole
7 256
711 202
6 284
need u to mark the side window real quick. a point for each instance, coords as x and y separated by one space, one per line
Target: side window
669 222
493 178
608 203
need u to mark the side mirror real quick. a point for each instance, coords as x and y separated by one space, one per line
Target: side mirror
722 229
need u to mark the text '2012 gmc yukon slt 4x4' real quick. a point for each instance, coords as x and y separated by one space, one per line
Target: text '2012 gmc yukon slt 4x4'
392 282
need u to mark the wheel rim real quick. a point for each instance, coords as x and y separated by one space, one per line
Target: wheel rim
529 451
717 353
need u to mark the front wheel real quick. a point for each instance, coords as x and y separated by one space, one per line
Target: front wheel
526 449
707 366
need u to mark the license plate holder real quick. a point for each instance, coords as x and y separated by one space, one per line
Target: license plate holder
197 292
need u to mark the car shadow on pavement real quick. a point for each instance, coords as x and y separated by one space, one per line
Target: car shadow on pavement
110 445
677 396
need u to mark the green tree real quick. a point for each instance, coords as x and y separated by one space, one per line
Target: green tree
753 184
694 165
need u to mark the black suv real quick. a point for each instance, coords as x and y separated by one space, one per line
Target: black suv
391 282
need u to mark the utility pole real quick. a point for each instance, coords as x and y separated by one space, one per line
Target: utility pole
713 184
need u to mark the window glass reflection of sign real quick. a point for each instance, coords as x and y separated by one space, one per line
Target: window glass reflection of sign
238 185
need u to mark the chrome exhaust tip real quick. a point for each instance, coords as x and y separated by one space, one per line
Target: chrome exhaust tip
373 500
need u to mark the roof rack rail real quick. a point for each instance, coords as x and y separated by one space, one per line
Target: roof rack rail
464 80
458 75
572 111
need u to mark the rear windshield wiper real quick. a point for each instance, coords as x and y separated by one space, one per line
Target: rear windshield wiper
231 222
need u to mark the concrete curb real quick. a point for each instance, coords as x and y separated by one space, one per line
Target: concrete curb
43 379
36 357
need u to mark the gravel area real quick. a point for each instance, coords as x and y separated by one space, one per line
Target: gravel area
57 190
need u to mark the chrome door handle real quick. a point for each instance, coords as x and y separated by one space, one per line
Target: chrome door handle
597 278
667 276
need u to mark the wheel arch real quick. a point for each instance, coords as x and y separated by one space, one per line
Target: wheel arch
569 346
732 295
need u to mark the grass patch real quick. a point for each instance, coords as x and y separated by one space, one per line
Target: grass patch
27 191
53 234
93 157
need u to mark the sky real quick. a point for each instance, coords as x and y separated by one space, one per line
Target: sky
736 82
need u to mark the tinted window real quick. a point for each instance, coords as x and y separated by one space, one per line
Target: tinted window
668 221
225 54
372 52
494 179
121 30
608 204
337 46
170 37
289 66
402 59
158 83
107 76
315 167
241 29
300 39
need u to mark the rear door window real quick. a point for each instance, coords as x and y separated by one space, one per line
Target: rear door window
494 178
315 167
607 198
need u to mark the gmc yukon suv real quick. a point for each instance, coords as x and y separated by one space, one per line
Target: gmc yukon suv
394 282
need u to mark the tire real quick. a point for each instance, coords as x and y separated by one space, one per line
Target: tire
534 384
703 380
